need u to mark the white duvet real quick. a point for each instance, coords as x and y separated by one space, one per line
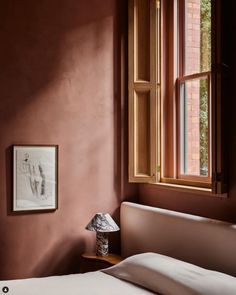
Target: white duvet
142 274
91 283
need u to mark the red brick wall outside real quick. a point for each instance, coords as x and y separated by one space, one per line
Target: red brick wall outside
192 65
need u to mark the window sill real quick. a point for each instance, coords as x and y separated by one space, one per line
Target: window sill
192 189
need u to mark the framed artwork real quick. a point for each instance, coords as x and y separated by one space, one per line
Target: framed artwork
35 177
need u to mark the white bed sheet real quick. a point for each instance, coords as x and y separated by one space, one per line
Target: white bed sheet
91 283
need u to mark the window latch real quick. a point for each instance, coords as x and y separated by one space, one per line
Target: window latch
217 177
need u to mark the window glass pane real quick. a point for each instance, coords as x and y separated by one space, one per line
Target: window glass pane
194 130
197 36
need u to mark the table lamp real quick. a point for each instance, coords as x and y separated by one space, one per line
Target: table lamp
102 224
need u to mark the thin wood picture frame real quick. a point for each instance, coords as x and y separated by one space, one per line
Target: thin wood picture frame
35 178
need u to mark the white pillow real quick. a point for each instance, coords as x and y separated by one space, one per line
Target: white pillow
169 276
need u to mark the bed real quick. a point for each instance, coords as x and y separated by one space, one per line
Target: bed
166 252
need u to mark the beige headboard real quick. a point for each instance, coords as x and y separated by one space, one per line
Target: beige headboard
206 242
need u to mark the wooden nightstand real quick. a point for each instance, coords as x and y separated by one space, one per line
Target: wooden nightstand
92 262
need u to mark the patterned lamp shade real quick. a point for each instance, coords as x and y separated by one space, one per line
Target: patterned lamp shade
102 224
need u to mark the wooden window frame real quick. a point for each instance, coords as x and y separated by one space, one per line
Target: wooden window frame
176 49
183 76
205 181
163 88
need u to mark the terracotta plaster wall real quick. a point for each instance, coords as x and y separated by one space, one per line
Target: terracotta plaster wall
197 202
60 84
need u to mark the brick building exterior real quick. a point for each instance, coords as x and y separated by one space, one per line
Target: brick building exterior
192 65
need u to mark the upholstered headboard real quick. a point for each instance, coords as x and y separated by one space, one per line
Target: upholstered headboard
205 242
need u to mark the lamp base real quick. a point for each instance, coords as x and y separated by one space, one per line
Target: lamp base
101 244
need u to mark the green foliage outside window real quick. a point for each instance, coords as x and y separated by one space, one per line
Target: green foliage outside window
205 66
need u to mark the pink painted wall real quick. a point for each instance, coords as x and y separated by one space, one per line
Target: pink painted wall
62 82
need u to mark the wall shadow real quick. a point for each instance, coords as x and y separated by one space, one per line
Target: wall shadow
63 259
34 36
37 37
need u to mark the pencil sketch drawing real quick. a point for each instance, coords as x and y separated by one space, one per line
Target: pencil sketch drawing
34 177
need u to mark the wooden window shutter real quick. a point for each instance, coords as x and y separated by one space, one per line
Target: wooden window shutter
219 94
144 89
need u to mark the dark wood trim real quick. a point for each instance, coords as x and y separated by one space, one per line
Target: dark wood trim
219 76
